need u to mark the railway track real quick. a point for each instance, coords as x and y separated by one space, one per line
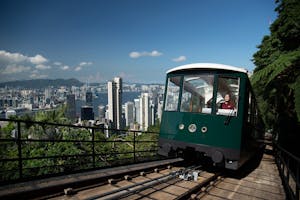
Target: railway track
166 179
159 183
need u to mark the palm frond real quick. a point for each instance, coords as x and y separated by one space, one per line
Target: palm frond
262 74
283 62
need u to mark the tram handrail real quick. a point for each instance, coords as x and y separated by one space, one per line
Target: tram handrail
289 170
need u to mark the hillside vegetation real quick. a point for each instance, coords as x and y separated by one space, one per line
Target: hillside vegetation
276 78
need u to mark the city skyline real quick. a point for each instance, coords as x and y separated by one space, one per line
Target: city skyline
136 40
87 103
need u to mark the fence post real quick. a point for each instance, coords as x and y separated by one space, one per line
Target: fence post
134 159
93 147
297 180
19 142
287 170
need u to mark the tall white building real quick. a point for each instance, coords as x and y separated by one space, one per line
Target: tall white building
48 92
129 113
145 112
114 89
152 113
137 110
159 110
101 111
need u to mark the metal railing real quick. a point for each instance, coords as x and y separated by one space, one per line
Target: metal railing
289 167
31 150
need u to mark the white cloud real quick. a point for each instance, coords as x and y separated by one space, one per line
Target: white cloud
38 59
179 59
78 68
57 63
61 66
81 65
19 58
42 67
12 63
85 64
34 75
65 67
12 57
136 54
12 69
155 53
16 65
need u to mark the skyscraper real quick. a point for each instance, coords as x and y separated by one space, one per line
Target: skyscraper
145 113
101 111
137 110
89 98
71 107
87 113
129 113
114 96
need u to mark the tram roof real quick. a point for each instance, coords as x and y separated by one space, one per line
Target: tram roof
207 66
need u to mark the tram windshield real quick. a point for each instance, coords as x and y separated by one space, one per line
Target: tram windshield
172 96
195 93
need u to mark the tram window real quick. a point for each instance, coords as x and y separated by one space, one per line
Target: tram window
249 107
197 93
172 96
228 93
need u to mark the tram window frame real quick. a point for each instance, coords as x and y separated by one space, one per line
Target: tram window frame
171 98
192 99
234 95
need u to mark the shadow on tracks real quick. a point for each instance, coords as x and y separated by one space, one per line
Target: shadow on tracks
248 167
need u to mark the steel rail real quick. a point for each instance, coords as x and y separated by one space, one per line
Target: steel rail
147 184
190 192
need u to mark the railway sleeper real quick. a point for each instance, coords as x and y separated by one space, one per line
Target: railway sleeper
206 188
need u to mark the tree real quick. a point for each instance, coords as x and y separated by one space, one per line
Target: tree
276 78
54 116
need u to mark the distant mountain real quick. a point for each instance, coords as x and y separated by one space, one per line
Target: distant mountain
42 83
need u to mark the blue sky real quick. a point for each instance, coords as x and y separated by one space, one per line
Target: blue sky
96 40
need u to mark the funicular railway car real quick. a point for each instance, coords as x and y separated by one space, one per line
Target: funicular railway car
210 112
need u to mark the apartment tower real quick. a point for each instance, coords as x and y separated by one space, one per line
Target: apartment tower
114 89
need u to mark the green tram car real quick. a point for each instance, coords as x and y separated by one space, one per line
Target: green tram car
196 124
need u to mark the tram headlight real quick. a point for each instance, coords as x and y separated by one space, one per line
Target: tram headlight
192 128
181 126
204 129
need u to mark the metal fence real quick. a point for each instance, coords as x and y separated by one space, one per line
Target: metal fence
31 150
289 167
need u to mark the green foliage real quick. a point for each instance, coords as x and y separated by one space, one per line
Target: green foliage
285 62
53 116
268 52
67 149
297 96
277 74
6 131
286 28
155 128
